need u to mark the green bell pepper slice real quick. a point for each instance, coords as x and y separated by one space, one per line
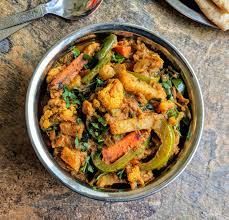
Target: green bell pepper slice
166 133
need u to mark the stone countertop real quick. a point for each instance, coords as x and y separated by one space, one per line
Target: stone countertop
28 191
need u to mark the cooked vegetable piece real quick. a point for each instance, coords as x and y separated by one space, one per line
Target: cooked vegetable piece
145 78
131 141
136 86
68 74
109 42
71 158
179 84
125 51
112 95
119 163
108 180
107 72
146 121
134 176
166 134
76 52
117 58
88 78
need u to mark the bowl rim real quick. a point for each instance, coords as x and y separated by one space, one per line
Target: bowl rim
40 147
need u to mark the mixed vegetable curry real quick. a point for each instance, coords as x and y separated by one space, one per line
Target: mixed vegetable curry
118 112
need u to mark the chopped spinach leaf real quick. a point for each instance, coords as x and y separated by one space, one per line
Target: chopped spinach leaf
95 125
87 167
76 52
120 174
149 106
179 85
172 113
70 97
102 121
117 58
87 57
99 82
97 128
167 85
76 141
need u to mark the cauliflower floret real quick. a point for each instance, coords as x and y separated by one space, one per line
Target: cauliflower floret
53 72
56 111
134 176
112 95
92 48
107 72
164 106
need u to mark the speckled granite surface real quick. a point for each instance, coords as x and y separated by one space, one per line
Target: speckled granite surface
27 190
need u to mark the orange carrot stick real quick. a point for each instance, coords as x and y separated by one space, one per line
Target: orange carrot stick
123 50
69 72
132 140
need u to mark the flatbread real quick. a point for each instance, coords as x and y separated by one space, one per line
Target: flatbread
223 4
215 14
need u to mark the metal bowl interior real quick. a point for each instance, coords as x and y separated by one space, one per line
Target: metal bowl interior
169 174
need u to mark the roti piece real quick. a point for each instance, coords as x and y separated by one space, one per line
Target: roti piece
215 14
223 4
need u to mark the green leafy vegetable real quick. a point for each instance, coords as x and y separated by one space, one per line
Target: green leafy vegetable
76 52
70 97
87 57
76 141
172 113
117 58
179 84
102 121
54 127
148 106
99 82
96 128
120 174
87 167
167 85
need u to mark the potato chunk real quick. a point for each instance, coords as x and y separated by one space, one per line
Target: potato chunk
71 158
137 87
145 122
108 180
112 95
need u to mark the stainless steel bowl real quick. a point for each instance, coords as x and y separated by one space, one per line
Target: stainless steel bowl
173 171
